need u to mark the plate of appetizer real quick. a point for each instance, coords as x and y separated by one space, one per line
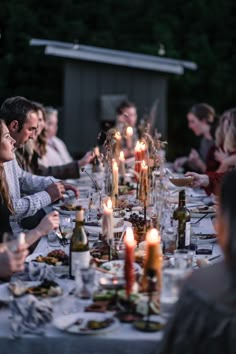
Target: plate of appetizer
87 323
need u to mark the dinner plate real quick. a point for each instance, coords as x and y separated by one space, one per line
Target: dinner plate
117 267
203 238
98 229
67 323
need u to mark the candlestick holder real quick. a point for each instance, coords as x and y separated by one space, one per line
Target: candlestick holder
146 324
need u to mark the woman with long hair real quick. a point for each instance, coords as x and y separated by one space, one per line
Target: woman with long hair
14 261
201 120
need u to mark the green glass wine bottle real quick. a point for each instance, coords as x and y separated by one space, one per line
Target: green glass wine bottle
182 216
79 246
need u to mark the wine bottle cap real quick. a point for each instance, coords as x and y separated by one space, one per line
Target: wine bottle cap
80 215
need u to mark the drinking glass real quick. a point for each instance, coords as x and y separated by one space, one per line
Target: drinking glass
66 226
85 282
172 281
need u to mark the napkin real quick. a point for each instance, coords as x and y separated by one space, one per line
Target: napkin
29 315
35 272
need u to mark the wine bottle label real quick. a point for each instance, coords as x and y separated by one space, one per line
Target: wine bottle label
187 233
81 259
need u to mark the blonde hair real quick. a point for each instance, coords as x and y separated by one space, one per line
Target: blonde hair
230 136
4 190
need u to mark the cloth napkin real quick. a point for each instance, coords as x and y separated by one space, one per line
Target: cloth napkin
29 315
35 272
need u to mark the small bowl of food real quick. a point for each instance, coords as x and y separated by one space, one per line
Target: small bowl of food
181 181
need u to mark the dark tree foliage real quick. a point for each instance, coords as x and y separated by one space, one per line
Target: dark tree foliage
197 30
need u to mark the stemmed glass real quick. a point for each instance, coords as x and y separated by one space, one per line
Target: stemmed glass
65 229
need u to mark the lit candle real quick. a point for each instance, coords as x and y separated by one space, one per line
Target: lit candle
130 245
115 177
153 261
129 137
122 164
117 145
143 148
107 221
138 156
143 188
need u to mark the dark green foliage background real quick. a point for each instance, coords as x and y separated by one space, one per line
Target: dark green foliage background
197 30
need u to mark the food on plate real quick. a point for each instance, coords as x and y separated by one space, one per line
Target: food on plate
47 288
203 209
56 257
95 325
70 207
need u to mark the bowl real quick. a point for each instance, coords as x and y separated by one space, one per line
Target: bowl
181 181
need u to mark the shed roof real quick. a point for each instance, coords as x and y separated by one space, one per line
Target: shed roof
115 57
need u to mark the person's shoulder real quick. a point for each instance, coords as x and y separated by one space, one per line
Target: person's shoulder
58 141
212 280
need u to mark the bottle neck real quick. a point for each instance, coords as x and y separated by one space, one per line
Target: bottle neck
182 198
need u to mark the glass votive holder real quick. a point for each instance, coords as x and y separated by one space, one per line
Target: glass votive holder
84 282
204 248
183 259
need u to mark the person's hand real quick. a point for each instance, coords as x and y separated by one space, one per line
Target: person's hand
48 223
11 262
56 191
220 155
198 180
86 159
227 163
68 186
179 162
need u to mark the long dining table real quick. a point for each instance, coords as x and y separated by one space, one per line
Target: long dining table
125 339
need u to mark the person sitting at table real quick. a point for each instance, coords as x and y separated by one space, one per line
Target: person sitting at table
227 154
21 117
126 116
31 156
201 120
211 180
56 153
11 262
205 316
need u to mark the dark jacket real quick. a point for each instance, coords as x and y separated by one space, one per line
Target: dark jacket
204 320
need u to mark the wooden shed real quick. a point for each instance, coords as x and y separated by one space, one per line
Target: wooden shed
97 79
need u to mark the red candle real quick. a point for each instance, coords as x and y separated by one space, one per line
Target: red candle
130 245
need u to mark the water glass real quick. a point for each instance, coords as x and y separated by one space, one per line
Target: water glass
85 282
66 226
172 281
183 259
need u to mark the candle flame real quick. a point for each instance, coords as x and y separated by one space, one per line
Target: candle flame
109 204
138 146
129 131
144 164
143 146
129 236
117 135
153 237
122 156
114 165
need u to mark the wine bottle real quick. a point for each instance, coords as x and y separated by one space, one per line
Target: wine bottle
182 216
79 247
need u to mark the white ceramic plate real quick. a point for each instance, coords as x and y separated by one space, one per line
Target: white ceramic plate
205 238
98 229
66 323
117 267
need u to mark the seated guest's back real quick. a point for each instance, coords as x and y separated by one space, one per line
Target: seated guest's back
204 320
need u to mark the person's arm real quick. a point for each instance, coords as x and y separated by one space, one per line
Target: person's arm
11 262
227 163
47 224
209 181
70 170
